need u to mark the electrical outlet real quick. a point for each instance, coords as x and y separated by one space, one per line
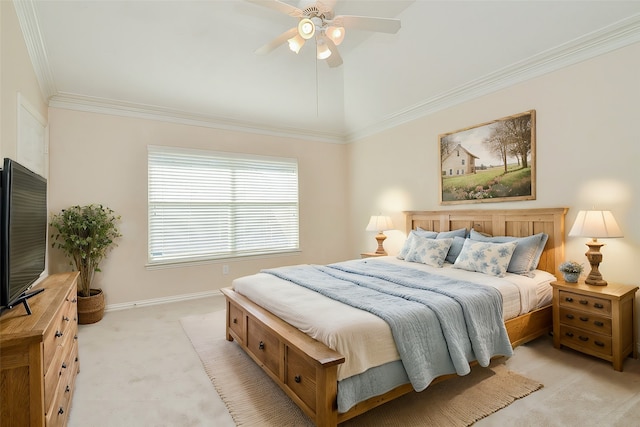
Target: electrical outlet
225 269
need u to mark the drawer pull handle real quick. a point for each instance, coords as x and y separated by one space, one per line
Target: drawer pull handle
261 345
65 318
297 378
598 323
583 338
568 299
570 316
67 389
584 319
64 365
59 334
235 320
584 302
60 411
569 334
74 300
599 343
598 305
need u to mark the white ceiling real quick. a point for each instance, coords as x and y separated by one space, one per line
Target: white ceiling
193 61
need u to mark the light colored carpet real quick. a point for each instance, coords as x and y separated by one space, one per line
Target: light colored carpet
254 399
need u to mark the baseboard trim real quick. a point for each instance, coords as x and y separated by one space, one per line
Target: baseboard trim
164 300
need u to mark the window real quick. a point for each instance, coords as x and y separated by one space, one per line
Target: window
463 161
207 205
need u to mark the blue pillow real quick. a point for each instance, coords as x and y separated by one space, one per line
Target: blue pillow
526 255
455 249
460 232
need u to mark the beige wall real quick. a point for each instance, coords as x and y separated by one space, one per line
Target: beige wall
99 158
588 148
16 76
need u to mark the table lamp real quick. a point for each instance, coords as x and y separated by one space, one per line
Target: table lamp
380 223
595 224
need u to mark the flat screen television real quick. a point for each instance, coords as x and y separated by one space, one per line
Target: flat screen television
23 232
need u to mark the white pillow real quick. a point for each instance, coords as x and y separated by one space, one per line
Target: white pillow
485 257
429 251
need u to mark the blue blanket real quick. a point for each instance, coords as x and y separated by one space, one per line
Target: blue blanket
439 324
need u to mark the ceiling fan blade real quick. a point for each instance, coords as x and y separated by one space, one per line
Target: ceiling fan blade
334 60
368 23
279 6
282 38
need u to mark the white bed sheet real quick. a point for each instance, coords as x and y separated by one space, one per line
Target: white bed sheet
363 338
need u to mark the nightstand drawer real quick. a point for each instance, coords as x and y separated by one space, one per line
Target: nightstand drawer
588 321
575 337
585 303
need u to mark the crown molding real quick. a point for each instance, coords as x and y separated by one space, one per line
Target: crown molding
615 36
127 109
28 20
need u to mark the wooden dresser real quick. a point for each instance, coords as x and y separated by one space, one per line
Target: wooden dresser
39 356
596 320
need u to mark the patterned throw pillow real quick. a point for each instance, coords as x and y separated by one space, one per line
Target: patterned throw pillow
407 243
485 257
527 254
429 251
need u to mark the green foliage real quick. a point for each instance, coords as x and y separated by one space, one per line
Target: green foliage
492 183
570 267
85 234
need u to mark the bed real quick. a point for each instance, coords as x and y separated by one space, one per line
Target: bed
316 377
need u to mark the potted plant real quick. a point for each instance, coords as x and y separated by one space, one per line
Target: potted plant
571 271
85 234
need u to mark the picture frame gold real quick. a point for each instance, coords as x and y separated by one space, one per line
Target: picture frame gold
489 162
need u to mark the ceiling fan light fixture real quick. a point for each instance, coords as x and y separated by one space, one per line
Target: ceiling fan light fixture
323 50
306 28
336 34
295 43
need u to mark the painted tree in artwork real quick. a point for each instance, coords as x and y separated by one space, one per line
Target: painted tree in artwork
511 138
519 130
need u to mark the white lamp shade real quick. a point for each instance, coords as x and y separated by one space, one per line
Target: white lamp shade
595 224
380 223
336 34
295 43
323 50
306 28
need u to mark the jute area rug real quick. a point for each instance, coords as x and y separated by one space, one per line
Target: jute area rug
253 399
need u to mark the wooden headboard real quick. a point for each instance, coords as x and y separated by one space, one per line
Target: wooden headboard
508 222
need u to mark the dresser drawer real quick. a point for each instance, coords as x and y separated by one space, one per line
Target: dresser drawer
236 320
589 321
585 303
61 395
575 337
300 377
264 345
61 365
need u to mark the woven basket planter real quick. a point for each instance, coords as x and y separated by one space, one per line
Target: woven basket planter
91 308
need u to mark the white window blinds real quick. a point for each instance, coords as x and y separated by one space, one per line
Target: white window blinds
207 205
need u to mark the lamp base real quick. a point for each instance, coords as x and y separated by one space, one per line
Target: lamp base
380 237
595 258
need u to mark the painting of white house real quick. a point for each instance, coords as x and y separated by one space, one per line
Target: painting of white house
489 162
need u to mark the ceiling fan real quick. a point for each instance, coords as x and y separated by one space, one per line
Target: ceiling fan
316 19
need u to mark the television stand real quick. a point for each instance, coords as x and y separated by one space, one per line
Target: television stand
23 299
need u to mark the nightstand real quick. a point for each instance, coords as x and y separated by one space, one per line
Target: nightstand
595 320
371 255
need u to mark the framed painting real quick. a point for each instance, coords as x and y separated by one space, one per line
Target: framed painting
489 162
